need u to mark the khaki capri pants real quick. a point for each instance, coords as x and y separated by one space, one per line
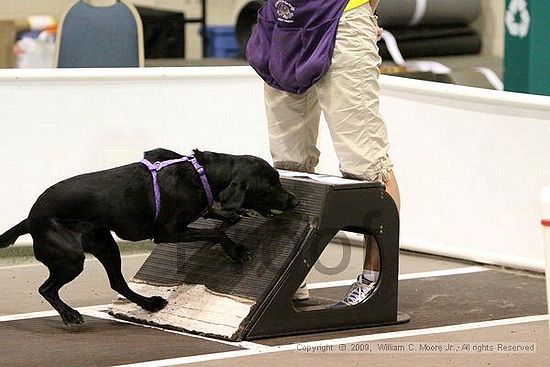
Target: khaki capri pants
348 97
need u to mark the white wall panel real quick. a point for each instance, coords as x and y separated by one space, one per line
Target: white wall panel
470 162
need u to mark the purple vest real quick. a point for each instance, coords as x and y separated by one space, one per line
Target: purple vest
292 44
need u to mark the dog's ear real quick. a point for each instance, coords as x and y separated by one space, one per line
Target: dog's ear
233 196
160 154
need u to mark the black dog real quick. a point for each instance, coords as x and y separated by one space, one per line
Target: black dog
76 215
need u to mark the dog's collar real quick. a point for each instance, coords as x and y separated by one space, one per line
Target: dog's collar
154 168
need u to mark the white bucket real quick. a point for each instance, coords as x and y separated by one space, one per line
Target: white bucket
545 221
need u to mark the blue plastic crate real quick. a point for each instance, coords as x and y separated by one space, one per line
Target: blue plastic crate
221 42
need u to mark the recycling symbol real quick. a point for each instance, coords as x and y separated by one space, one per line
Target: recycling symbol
518 18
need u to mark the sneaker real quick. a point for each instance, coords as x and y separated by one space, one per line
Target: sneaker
359 291
302 293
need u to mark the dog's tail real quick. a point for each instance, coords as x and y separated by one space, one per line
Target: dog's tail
13 234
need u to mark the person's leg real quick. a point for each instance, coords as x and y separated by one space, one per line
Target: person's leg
348 95
371 267
293 125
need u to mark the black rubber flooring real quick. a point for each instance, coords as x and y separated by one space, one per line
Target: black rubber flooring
431 302
448 300
47 342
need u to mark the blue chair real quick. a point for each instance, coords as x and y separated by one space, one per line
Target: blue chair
100 34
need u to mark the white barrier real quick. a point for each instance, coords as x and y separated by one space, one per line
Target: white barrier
545 221
471 165
470 162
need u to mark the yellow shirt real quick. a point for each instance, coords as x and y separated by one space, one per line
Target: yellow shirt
352 4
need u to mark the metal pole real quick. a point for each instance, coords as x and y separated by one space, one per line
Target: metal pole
545 206
203 22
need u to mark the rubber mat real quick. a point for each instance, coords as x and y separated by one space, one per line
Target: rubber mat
434 12
47 342
430 33
436 47
203 263
449 300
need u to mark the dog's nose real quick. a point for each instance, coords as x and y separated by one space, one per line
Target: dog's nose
292 201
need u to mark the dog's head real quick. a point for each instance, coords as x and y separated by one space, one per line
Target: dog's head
256 185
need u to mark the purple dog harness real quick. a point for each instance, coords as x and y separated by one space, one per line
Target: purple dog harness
292 45
154 168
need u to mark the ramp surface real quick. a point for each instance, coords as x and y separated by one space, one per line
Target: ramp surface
207 293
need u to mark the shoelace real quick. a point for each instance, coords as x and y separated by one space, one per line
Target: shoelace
358 292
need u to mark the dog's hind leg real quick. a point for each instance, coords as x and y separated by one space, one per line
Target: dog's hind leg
50 291
59 249
101 244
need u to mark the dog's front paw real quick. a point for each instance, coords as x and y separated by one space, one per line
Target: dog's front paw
233 218
154 304
241 254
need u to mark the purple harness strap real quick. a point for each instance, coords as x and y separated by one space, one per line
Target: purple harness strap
154 168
